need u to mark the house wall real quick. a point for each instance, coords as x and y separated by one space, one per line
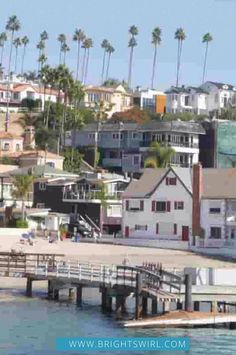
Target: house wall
209 220
15 145
166 220
29 161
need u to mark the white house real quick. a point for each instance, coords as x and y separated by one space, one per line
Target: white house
220 95
159 205
187 99
214 207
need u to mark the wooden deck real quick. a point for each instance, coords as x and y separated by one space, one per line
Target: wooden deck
184 319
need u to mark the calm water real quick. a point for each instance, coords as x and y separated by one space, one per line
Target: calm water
30 326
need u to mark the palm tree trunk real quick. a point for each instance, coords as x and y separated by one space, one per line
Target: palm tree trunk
60 56
78 57
23 210
83 66
178 59
180 52
8 84
64 58
86 68
39 61
130 66
108 65
22 63
2 53
154 66
103 65
205 62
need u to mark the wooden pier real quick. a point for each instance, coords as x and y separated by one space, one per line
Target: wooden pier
151 287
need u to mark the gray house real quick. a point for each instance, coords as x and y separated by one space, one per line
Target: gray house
124 145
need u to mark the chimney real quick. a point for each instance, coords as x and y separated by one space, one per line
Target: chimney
197 194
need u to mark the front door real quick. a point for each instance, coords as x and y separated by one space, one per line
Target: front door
185 233
126 232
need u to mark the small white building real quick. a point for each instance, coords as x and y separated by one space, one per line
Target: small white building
159 205
187 99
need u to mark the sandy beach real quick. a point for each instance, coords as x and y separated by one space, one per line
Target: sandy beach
107 253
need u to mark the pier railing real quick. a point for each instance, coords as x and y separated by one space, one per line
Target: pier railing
47 266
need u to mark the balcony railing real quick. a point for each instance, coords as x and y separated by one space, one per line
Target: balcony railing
147 143
91 195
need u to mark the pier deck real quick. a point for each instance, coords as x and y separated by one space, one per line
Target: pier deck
184 319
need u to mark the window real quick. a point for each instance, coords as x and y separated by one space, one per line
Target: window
6 146
40 205
42 186
16 96
214 210
134 205
179 205
51 164
215 232
91 135
134 135
17 147
139 227
115 136
136 160
175 228
171 181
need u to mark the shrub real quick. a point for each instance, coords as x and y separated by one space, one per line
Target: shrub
20 223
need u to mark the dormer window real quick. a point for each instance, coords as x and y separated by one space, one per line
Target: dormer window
171 181
6 146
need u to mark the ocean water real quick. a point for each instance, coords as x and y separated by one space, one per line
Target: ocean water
30 326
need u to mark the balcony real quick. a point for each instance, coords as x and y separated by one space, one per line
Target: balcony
147 144
112 162
95 196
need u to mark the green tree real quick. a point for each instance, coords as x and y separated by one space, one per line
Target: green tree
17 44
180 36
109 50
65 48
159 155
87 45
43 36
42 60
156 40
206 39
40 47
104 46
133 31
3 39
22 186
61 39
24 41
78 37
13 25
72 160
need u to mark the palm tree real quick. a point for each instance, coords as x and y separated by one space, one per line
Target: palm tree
40 47
159 156
78 37
16 43
87 44
206 39
22 186
24 41
156 40
104 45
132 43
180 36
61 39
43 36
42 60
109 50
3 39
64 48
13 25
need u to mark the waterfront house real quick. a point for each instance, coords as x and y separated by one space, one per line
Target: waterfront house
124 145
159 205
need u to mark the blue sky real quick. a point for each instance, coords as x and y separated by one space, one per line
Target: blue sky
111 19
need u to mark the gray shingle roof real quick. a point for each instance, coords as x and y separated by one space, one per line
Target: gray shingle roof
219 183
110 126
174 126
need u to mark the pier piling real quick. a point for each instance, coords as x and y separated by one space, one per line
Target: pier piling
29 287
196 306
50 290
188 293
79 295
154 306
138 296
144 305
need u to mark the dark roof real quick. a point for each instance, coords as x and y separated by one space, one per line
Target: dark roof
40 171
174 126
185 89
220 85
110 126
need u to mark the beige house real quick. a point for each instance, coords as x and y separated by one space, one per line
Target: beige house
10 144
41 157
114 99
